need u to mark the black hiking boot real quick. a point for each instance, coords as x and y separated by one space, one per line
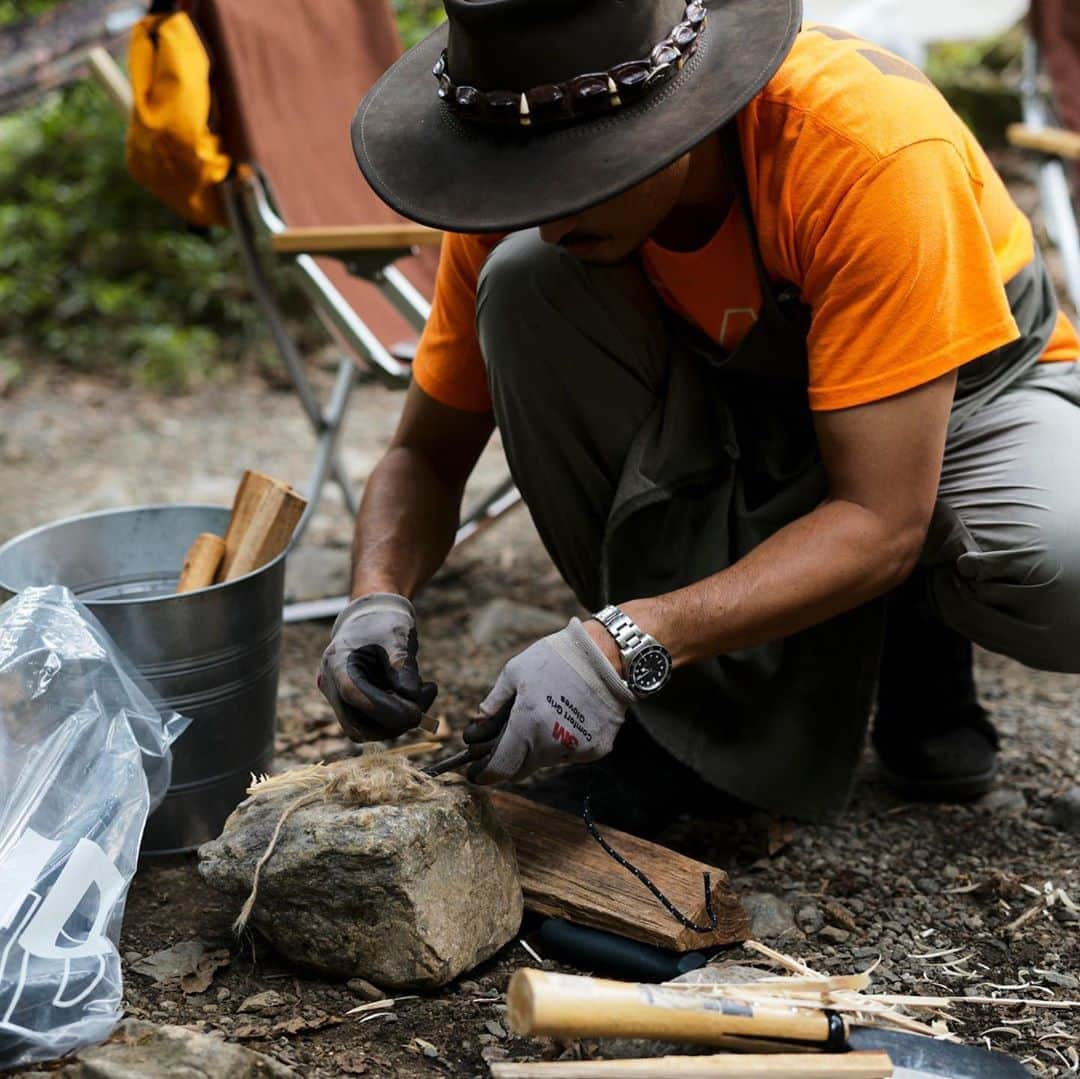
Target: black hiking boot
933 738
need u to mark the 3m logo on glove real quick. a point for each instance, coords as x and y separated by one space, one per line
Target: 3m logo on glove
563 736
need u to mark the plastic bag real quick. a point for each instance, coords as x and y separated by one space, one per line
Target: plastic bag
84 757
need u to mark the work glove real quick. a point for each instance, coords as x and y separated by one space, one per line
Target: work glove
369 672
558 702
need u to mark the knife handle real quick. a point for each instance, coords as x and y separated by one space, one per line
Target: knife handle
568 1005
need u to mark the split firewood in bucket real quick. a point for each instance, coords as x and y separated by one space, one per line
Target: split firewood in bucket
369 868
202 562
264 517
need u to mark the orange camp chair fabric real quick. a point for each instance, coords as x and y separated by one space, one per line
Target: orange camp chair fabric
287 78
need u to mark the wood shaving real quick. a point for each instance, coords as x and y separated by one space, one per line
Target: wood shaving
806 988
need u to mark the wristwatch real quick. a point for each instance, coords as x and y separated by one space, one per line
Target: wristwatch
646 661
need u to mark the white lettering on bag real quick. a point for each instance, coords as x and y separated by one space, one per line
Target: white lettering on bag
42 934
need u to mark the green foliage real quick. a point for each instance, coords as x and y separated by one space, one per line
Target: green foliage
98 276
94 273
417 18
13 11
979 79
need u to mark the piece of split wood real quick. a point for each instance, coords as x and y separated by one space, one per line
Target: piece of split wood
201 562
250 493
268 532
566 874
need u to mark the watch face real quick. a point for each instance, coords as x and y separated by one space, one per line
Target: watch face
649 670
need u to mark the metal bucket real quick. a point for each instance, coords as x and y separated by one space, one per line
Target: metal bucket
212 654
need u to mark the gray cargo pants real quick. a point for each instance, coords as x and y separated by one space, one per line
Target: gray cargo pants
577 356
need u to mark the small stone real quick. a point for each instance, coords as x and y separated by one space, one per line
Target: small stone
770 917
724 972
1065 811
268 1002
504 620
364 989
834 934
495 1028
168 1005
223 994
1003 802
1062 981
171 963
809 918
132 957
152 1051
426 1048
840 916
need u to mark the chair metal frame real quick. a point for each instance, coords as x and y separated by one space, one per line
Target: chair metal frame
1053 180
254 220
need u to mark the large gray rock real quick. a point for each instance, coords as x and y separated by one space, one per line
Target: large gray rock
406 895
148 1051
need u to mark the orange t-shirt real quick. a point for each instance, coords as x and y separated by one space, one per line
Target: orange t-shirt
869 195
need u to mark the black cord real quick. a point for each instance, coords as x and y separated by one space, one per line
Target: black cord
586 814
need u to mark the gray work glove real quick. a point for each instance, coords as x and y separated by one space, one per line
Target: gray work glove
369 672
558 702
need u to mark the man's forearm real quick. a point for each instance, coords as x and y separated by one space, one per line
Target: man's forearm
405 527
833 559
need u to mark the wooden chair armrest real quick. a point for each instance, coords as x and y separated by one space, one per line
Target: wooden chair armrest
346 239
1048 140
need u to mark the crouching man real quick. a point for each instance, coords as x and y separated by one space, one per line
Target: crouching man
779 373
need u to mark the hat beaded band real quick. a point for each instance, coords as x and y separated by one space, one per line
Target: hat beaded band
582 97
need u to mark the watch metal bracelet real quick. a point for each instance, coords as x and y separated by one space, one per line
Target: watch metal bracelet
628 635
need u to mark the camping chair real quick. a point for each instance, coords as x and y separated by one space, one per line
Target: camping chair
1054 50
286 79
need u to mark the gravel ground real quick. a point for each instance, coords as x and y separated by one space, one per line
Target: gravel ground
931 891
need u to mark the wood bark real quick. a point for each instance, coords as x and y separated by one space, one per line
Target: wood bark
566 874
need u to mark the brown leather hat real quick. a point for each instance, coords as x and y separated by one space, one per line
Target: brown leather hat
516 112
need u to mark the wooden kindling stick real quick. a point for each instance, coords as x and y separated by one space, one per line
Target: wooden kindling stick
202 562
798 1066
572 1006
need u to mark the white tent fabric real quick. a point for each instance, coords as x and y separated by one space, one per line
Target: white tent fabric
907 27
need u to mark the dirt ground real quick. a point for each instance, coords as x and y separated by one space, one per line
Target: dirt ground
930 890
